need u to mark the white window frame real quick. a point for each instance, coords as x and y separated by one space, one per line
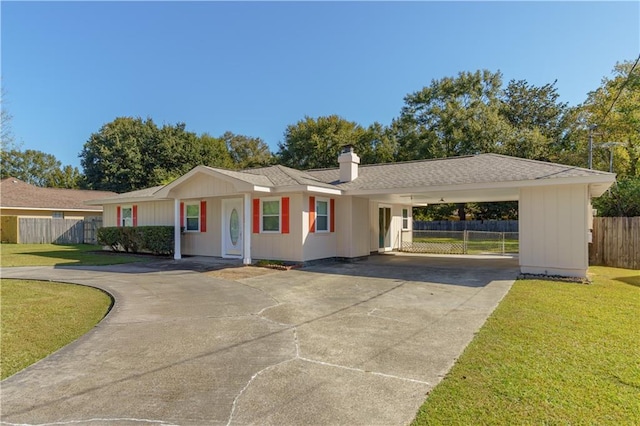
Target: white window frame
267 200
186 217
405 226
126 221
323 200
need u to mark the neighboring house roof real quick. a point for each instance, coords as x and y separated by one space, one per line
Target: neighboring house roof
475 171
15 193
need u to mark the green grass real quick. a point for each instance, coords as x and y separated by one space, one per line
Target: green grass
475 246
551 353
40 317
52 254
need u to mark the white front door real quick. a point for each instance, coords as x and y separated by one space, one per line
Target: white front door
232 228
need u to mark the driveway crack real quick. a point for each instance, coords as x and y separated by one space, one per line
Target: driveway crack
242 391
359 370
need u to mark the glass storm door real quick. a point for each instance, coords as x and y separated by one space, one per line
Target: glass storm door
384 228
232 228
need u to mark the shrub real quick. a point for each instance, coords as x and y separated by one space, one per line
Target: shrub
109 237
156 239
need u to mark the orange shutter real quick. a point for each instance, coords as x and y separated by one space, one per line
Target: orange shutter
182 215
118 216
134 211
312 214
256 215
285 215
203 216
332 215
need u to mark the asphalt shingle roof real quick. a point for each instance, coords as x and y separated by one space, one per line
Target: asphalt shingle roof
475 169
483 168
254 179
16 193
286 176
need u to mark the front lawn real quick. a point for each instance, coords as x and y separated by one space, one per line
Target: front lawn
52 254
40 317
551 353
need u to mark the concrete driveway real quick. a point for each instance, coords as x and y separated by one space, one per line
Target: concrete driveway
339 343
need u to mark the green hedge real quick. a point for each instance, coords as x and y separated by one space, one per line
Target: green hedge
156 239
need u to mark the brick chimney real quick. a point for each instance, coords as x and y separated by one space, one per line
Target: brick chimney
349 161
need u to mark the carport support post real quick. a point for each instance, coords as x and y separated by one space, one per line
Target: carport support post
176 230
246 244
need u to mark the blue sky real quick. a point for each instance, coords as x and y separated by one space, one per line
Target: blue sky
254 68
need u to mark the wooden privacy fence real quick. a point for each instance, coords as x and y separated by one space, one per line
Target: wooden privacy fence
34 230
615 242
45 230
91 226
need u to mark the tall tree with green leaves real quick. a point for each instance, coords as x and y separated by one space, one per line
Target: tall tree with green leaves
38 168
130 153
453 116
615 108
316 142
622 199
537 120
112 158
246 151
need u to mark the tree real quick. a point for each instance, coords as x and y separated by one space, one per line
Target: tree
38 168
7 139
615 108
112 158
452 116
316 143
536 118
504 210
622 199
379 145
247 152
130 153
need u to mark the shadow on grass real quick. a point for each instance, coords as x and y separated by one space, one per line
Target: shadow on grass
634 281
69 257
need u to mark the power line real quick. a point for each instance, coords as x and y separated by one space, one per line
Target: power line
624 83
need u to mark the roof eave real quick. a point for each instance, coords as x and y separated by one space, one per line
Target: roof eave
599 179
120 200
307 188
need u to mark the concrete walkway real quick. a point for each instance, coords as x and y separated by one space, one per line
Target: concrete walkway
356 343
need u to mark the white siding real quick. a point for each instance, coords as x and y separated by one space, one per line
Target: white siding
200 186
282 246
109 215
395 227
352 227
554 230
318 245
155 213
207 243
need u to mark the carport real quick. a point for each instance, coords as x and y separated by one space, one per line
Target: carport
554 201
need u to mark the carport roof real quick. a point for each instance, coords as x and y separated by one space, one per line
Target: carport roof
476 169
